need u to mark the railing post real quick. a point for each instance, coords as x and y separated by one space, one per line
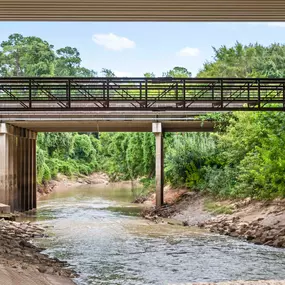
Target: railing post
248 94
258 82
68 93
30 93
146 91
176 91
108 93
104 91
222 93
184 93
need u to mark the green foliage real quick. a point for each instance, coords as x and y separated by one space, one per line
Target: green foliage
186 156
32 56
67 153
108 72
149 75
249 157
178 71
68 61
253 60
26 56
128 155
246 157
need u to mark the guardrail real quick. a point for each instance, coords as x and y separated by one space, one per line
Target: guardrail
193 94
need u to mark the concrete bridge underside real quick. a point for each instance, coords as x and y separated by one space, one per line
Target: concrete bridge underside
135 10
18 133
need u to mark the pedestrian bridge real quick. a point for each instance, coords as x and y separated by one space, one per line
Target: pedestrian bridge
158 105
141 94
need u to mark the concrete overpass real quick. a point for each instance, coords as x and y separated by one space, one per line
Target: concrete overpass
18 132
147 10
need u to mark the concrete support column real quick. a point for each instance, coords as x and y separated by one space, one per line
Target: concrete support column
34 172
159 163
4 197
20 172
11 184
24 172
17 167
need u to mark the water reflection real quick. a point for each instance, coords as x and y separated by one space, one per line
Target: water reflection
95 229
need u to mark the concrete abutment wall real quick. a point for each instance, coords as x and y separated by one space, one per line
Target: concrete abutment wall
17 168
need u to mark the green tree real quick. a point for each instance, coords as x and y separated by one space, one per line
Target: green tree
180 72
149 75
26 56
67 62
107 72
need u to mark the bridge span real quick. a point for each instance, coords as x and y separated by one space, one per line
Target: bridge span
158 105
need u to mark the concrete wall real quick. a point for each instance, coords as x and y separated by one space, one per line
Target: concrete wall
17 167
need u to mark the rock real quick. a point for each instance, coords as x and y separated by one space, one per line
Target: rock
50 270
42 269
24 243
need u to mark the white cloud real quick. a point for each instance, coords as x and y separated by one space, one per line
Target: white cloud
188 51
113 42
123 74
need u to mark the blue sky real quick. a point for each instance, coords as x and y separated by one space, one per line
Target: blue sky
131 49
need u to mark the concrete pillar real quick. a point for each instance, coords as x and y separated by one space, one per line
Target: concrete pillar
24 172
20 174
17 167
29 180
159 163
3 165
34 169
11 187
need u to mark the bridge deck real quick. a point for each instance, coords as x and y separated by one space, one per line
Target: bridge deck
141 94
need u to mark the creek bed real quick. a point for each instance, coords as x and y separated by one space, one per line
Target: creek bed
99 232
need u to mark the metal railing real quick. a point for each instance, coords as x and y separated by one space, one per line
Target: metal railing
193 94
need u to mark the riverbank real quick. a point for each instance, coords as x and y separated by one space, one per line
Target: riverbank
63 182
260 222
21 262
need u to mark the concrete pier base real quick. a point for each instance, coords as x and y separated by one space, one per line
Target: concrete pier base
17 167
159 163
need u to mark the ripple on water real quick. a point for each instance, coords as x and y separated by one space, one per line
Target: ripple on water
106 246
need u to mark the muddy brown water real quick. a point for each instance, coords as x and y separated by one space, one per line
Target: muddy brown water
99 232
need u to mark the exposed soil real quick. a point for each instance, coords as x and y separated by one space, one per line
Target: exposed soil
255 221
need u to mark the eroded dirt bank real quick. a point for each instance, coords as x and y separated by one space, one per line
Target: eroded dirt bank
255 221
22 263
